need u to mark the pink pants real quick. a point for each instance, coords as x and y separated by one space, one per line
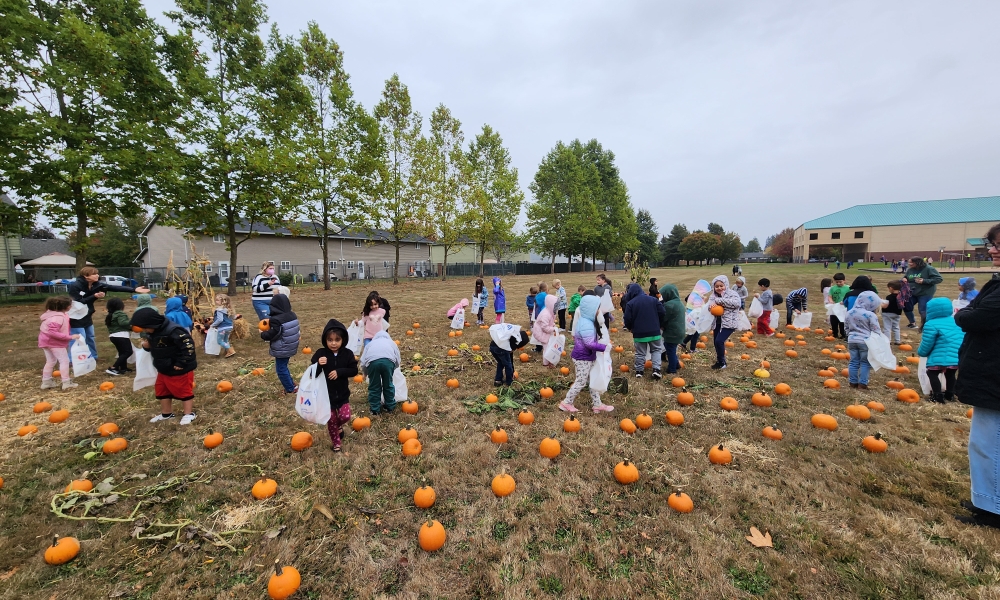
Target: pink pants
338 418
52 356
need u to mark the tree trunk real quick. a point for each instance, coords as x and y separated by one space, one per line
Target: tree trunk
444 269
81 226
395 272
552 268
482 258
231 287
326 259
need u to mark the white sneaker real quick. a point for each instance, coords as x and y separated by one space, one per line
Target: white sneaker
159 418
68 385
599 408
48 383
186 419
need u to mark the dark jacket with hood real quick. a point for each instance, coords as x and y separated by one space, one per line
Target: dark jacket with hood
170 344
643 314
861 284
83 291
674 316
979 354
632 290
283 333
343 362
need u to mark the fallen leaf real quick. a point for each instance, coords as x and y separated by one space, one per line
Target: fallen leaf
644 535
111 499
813 570
273 533
9 574
758 540
323 510
648 550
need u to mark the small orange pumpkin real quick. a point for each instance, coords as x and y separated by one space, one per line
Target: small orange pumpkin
719 455
498 436
821 421
62 550
264 488
431 536
524 357
27 430
859 412
424 497
492 399
546 392
716 310
503 485
564 370
224 386
106 386
359 378
302 440
895 384
626 472
765 364
452 352
772 432
41 407
627 426
876 406
761 399
107 429
410 407
680 502
912 359
58 416
360 423
875 443
549 448
832 384
452 383
729 403
114 445
571 424
783 389
475 348
79 485
264 324
525 417
677 382
674 418
412 447
685 398
908 395
905 347
791 353
407 433
307 350
212 440
643 421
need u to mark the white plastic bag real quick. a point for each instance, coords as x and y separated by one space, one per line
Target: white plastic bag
135 355
83 362
385 325
554 349
77 310
355 337
145 372
775 320
756 309
502 332
600 373
399 385
925 379
803 320
705 320
957 305
880 354
458 321
744 324
837 310
212 346
312 401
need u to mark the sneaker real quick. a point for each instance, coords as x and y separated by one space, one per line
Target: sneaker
599 408
186 419
862 386
497 383
980 519
854 386
68 385
48 383
718 366
568 408
293 391
159 418
638 374
657 376
770 334
114 372
911 326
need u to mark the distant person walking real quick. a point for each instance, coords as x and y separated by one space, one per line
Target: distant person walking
261 292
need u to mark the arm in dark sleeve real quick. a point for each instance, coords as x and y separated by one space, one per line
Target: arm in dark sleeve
88 294
350 368
273 333
185 346
984 316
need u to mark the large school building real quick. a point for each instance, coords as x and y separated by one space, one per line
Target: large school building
931 228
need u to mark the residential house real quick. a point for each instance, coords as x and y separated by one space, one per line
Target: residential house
10 248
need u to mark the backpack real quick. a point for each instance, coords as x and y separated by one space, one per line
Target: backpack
777 299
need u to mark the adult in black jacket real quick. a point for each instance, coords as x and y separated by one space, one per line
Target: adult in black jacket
979 386
173 353
338 365
87 289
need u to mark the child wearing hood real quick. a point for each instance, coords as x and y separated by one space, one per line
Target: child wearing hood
462 304
505 338
797 301
673 324
174 359
741 289
586 345
120 333
643 316
861 323
338 365
479 299
143 301
967 292
545 325
726 324
176 313
283 335
499 299
222 320
379 360
940 342
861 283
53 338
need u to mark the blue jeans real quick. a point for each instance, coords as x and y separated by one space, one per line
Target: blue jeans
223 338
88 334
721 335
281 368
858 368
365 343
672 363
921 302
984 459
505 366
262 308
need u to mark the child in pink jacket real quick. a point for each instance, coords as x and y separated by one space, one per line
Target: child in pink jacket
545 324
53 338
464 303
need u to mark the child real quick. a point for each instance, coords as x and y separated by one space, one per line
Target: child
892 311
543 291
479 300
283 335
222 320
824 285
463 303
175 361
726 324
838 290
120 332
529 301
574 302
653 288
338 365
372 314
53 338
560 293
796 302
861 323
379 360
499 299
740 287
545 325
967 292
862 283
502 347
176 313
940 342
766 297
643 316
673 324
908 302
586 345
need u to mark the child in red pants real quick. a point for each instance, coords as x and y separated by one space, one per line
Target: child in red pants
339 365
766 298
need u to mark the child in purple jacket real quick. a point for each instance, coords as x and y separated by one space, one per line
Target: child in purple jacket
586 345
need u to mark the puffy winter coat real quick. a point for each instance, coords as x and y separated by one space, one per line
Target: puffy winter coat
175 312
729 300
674 315
633 290
643 315
585 342
942 337
283 333
54 330
464 302
545 324
979 356
499 297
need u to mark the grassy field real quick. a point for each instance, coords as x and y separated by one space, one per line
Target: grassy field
845 523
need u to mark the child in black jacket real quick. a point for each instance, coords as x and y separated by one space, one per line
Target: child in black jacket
505 356
175 361
339 365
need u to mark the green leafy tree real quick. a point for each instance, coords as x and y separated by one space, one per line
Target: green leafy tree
115 242
494 198
752 246
85 106
730 247
445 180
647 233
670 246
339 148
715 229
245 103
616 226
699 246
402 212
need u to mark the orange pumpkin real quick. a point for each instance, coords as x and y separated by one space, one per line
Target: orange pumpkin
571 424
224 386
626 472
58 416
643 421
895 384
424 497
859 412
525 417
791 353
716 310
772 432
452 352
549 448
41 407
564 370
359 378
912 359
503 485
680 502
361 423
407 433
307 350
106 386
844 373
826 351
729 403
685 398
700 345
677 382
264 324
62 550
212 440
623 368
499 436
789 342
908 395
783 389
832 384
765 364
751 344
546 392
875 443
627 426
744 357
524 357
412 447
416 325
902 370
431 536
492 398
107 429
114 445
475 348
79 485
674 417
905 347
761 399
27 430
719 455
264 489
410 407
821 421
452 383
876 406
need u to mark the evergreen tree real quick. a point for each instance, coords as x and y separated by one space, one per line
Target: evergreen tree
616 227
752 246
715 229
647 234
670 251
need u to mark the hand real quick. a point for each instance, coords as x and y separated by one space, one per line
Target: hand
75 336
919 280
99 295
142 290
145 344
756 295
321 361
333 374
178 369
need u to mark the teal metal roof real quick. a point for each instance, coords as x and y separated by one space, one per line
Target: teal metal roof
976 242
924 212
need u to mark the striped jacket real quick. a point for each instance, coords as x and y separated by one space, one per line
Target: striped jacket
797 298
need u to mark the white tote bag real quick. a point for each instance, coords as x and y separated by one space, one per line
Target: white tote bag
601 372
212 346
145 372
803 320
924 377
705 320
554 348
355 337
135 355
83 362
744 324
756 309
385 325
837 310
880 354
77 310
775 320
312 401
458 321
399 384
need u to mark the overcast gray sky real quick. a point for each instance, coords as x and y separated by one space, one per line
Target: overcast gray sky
757 115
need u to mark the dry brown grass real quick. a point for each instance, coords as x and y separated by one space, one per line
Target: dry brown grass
845 523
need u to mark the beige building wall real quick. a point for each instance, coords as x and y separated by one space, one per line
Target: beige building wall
10 246
894 241
470 254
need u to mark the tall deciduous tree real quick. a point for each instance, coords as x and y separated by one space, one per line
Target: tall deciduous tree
85 106
340 147
752 246
782 243
715 229
670 246
617 227
647 234
700 246
402 212
729 247
494 199
246 99
445 180
115 242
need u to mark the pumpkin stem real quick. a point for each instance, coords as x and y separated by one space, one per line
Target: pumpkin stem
720 447
55 539
878 435
277 568
625 462
210 432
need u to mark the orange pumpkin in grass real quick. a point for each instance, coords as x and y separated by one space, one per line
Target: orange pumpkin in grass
791 354
452 352
908 395
829 338
623 368
107 429
27 429
499 435
744 357
700 345
407 433
772 432
424 497
643 421
412 447
359 378
452 383
564 370
546 392
751 344
844 373
680 502
549 448
114 445
525 417
492 398
826 351
789 342
779 335
876 406
720 455
902 370
905 347
410 407
212 440
79 485
224 386
802 343
859 412
685 356
765 364
41 407
627 426
361 423
674 418
895 384
58 416
761 399
783 389
303 440
524 357
832 384
685 398
106 386
571 424
822 421
875 443
729 403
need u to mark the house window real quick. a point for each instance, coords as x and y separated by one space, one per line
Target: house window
417 245
286 265
350 264
813 236
385 264
835 235
208 268
333 265
357 243
859 234
219 238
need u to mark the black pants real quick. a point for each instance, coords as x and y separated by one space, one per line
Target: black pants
949 382
838 327
124 347
562 318
505 365
690 340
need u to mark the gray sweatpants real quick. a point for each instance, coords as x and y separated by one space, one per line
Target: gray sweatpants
642 348
890 326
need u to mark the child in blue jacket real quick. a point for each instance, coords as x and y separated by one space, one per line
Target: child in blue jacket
940 342
499 299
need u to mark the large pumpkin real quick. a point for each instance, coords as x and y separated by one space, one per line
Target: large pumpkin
821 421
62 550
